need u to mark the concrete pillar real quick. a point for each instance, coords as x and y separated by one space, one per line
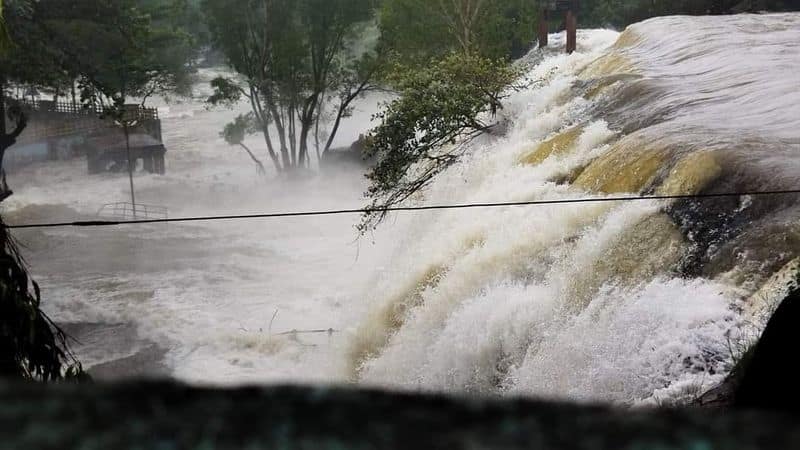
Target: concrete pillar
52 149
148 161
543 29
93 163
158 163
572 32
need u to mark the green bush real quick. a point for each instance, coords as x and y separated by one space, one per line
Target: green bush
423 132
32 347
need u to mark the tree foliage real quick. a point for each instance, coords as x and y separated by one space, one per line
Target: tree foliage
5 39
290 55
124 48
27 58
235 132
418 30
441 108
113 50
32 347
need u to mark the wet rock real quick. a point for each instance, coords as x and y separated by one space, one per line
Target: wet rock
769 379
765 378
356 155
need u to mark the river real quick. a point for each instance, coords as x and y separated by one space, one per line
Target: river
646 302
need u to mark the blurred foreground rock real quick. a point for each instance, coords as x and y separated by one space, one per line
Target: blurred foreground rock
765 378
165 416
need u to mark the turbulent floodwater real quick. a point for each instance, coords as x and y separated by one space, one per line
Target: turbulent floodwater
636 302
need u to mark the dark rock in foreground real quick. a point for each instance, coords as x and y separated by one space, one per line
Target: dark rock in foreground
170 416
765 377
769 379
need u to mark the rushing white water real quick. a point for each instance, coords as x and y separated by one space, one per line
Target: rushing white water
636 302
604 302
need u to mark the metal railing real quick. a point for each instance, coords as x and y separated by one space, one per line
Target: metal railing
127 211
48 106
61 119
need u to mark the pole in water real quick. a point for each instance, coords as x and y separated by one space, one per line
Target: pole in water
543 28
130 167
572 32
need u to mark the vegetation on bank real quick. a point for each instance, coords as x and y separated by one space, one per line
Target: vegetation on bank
300 65
295 60
439 110
32 347
96 54
419 30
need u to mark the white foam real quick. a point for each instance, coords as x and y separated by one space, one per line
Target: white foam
503 317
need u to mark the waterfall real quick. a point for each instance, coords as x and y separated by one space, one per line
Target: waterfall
631 302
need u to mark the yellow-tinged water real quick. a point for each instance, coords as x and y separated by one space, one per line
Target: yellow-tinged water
637 300
607 65
558 145
629 167
387 319
691 174
627 39
579 301
651 246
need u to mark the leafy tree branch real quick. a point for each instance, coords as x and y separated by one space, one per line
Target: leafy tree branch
441 109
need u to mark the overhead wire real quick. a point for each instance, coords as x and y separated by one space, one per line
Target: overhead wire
296 214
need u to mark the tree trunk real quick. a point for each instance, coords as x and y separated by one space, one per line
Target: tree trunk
2 106
74 99
292 125
261 115
316 139
345 103
317 120
7 139
272 155
335 128
259 165
280 127
306 123
304 132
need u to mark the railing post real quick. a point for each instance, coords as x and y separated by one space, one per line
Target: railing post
543 29
572 32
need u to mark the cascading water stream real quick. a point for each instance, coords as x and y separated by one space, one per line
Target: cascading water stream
634 302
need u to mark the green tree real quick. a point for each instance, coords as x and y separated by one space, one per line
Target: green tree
5 39
234 134
131 48
125 50
441 109
116 50
31 346
290 56
418 30
26 59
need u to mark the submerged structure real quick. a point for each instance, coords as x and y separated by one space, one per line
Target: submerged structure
63 130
